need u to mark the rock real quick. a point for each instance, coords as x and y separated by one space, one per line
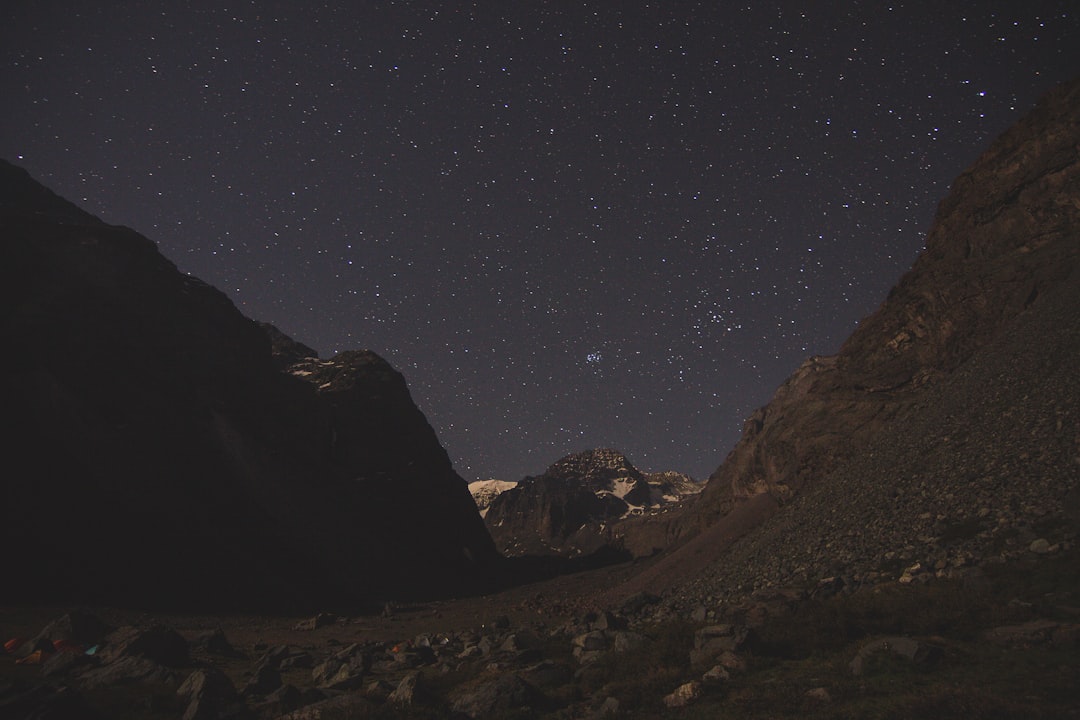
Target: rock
78 627
127 669
285 657
488 696
731 661
159 643
1036 632
683 695
608 708
209 695
592 641
608 621
265 680
712 641
65 663
1040 546
286 699
213 642
818 694
625 640
378 690
637 603
316 622
347 705
45 702
547 674
407 691
716 675
913 650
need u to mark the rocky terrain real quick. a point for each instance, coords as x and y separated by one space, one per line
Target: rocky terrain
575 506
163 454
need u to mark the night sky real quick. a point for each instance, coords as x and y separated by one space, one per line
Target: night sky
570 225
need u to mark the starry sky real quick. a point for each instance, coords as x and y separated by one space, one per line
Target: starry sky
569 224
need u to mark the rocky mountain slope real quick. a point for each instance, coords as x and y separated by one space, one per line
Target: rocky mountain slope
158 454
946 431
572 508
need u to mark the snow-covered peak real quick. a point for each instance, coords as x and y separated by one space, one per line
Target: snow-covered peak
484 491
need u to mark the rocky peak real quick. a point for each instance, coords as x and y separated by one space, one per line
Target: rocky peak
603 471
572 507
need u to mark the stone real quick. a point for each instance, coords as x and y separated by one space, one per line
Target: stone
209 694
65 663
265 680
127 669
346 705
909 648
547 674
1040 546
159 643
316 622
407 691
608 708
626 640
214 642
591 641
78 627
683 695
1035 632
716 675
489 696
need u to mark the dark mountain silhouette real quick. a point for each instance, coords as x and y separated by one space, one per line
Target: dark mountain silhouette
163 449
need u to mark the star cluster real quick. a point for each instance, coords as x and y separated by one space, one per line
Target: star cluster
571 225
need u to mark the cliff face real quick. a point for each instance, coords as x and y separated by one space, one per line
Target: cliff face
158 455
1008 231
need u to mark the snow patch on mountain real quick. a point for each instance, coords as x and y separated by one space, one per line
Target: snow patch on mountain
484 491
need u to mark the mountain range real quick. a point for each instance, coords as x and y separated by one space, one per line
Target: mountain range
165 450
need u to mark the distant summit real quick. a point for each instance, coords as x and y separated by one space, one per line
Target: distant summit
570 509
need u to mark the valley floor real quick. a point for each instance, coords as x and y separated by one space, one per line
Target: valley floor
1001 642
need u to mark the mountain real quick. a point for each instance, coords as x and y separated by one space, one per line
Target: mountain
484 491
571 508
163 449
945 431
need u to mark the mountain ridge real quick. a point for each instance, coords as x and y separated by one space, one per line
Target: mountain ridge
172 459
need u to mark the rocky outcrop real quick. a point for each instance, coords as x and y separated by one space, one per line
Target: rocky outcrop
572 508
159 455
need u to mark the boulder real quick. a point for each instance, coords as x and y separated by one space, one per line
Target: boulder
408 690
209 695
488 696
158 643
909 648
125 670
683 695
